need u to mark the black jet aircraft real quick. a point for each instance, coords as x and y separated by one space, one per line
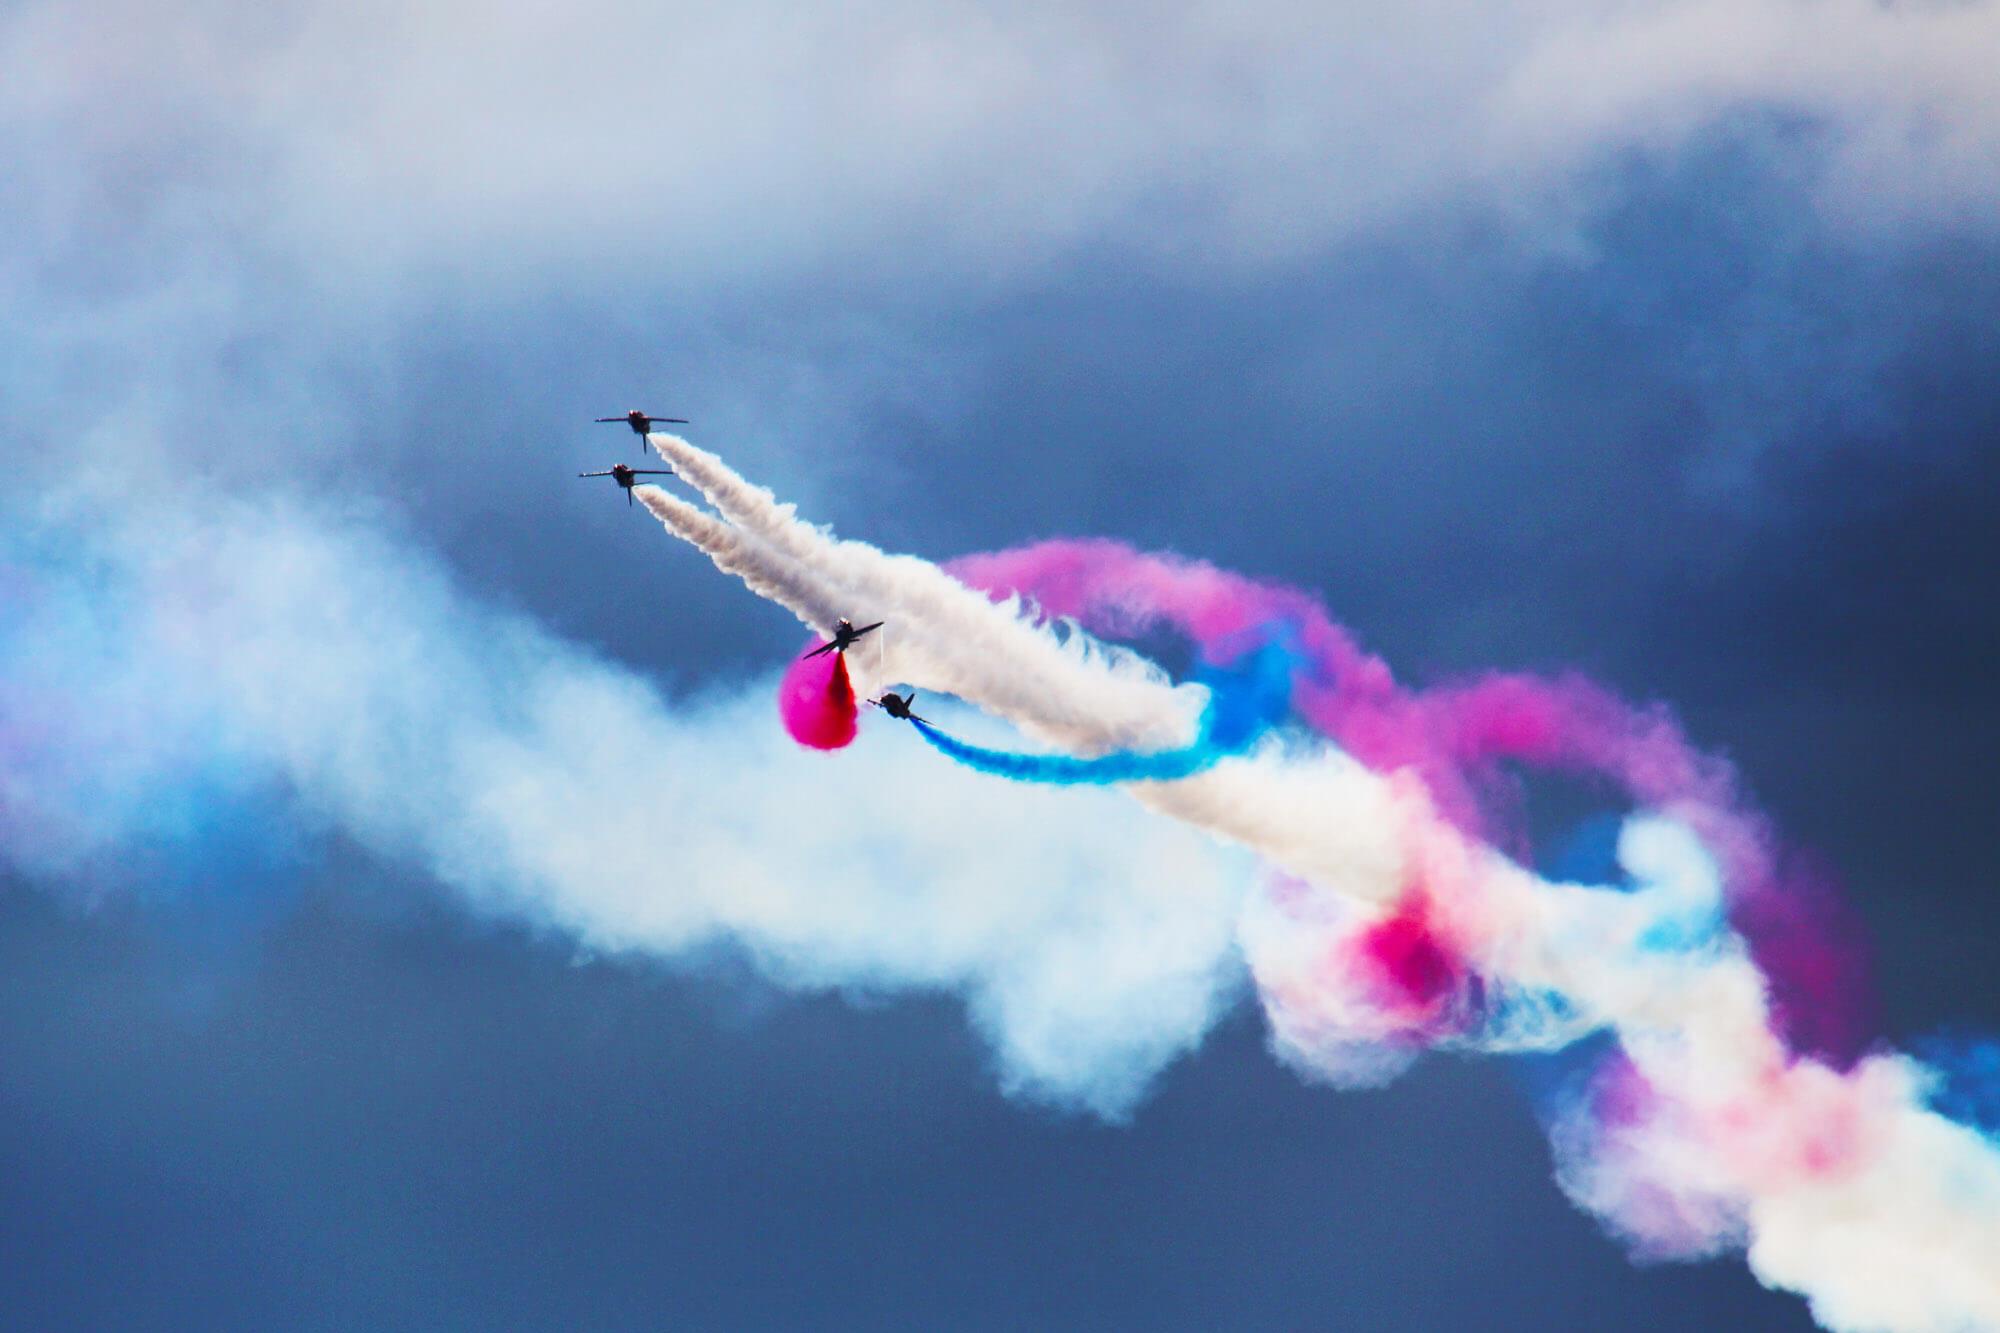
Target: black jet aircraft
898 705
641 424
844 635
624 476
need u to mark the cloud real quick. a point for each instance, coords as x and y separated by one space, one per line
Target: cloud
713 143
1897 96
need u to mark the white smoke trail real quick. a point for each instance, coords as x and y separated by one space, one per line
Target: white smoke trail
1843 1187
735 552
1080 692
1313 813
1318 814
213 648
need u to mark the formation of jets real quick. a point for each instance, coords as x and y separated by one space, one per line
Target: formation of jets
642 424
845 632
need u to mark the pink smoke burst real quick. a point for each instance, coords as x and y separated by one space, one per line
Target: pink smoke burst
816 700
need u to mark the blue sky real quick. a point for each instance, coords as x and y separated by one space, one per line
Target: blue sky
1655 342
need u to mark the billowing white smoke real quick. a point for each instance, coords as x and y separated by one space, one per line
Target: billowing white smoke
1843 1187
539 781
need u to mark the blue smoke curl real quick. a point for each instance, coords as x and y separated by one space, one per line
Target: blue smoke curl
1247 697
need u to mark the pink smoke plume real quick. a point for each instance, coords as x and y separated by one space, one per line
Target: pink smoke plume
816 699
1456 737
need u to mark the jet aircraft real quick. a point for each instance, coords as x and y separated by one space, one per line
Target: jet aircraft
624 476
898 705
844 635
641 424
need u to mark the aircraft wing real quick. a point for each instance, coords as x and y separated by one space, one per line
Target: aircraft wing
611 419
865 628
593 474
646 472
823 648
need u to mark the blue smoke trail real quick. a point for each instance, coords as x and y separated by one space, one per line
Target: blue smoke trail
1247 697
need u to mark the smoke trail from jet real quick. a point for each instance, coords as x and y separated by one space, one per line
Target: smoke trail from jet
194 695
747 558
1705 1131
1246 699
1318 815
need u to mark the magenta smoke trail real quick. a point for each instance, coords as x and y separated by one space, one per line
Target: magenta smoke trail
816 700
1456 737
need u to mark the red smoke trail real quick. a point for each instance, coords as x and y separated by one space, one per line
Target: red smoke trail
816 700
